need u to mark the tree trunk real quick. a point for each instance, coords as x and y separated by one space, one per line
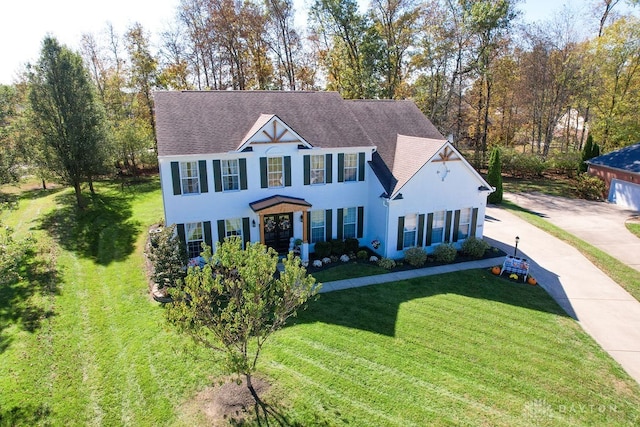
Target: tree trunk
44 185
78 191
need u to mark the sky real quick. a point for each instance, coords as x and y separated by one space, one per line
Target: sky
25 23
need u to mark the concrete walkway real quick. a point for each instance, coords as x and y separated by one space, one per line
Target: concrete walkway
604 310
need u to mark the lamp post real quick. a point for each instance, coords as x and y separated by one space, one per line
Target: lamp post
515 251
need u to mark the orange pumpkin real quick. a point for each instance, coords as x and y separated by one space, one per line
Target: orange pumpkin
532 281
495 270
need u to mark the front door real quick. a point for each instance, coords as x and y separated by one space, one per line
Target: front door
278 230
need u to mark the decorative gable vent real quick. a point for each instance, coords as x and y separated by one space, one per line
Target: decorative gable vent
269 129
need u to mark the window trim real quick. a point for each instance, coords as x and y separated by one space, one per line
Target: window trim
184 178
354 168
405 231
469 212
434 228
345 214
318 170
224 175
322 214
189 242
270 173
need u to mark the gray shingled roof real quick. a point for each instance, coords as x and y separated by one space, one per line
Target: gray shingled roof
626 159
204 122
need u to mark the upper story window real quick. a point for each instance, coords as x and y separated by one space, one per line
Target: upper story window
275 172
194 238
189 177
410 231
350 167
317 169
465 223
437 231
230 175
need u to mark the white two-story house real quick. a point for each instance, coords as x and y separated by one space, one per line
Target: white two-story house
275 166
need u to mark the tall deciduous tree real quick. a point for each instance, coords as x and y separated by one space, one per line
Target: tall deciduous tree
235 302
68 116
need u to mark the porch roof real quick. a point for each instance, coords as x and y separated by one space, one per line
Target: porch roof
273 201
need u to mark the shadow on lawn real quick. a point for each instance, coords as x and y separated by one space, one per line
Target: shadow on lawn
375 308
19 302
24 416
103 231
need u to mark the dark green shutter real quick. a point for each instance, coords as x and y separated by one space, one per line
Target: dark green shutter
243 173
429 229
263 173
360 222
340 224
307 169
217 176
400 244
287 171
420 242
246 231
308 226
181 233
360 166
340 167
474 222
204 183
328 165
175 177
456 226
447 228
328 224
207 233
221 233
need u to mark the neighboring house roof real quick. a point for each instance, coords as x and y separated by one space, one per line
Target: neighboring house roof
626 159
204 122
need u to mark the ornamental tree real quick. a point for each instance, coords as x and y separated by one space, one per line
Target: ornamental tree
237 300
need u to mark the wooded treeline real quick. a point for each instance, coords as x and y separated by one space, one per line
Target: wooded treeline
473 67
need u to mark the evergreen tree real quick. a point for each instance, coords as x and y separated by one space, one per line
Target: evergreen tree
494 176
587 153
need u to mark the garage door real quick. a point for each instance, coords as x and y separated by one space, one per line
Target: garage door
625 194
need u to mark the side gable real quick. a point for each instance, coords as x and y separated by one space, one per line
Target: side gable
413 154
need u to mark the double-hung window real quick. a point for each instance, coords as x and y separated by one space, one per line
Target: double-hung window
317 169
350 167
194 238
410 230
233 227
465 223
317 226
437 231
349 223
230 175
189 178
275 172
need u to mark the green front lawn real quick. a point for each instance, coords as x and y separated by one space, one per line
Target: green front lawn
82 343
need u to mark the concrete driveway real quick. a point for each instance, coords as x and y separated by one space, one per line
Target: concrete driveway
597 223
604 310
